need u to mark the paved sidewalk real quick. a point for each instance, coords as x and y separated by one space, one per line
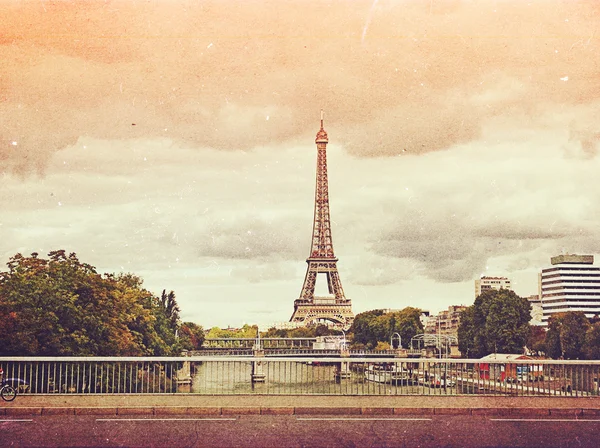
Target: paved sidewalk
180 404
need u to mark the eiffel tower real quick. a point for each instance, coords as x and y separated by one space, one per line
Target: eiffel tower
334 309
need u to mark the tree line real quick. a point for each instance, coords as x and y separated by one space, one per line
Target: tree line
60 306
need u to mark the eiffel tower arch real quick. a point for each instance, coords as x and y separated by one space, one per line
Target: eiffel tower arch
334 308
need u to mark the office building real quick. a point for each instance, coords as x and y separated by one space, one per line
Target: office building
571 284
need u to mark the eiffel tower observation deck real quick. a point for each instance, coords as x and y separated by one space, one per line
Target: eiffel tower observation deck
332 309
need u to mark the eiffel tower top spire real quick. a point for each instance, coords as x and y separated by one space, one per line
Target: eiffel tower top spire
322 135
322 245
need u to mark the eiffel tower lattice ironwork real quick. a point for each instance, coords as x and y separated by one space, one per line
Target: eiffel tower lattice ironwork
335 308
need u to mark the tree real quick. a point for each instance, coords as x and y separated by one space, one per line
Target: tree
170 309
191 336
166 313
60 306
468 342
247 331
566 337
536 339
498 322
372 327
592 341
362 329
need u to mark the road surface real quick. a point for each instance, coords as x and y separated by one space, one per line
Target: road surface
299 431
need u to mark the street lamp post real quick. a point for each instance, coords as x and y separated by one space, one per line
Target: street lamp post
399 340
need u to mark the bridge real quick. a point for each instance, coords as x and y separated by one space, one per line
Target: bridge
283 347
216 343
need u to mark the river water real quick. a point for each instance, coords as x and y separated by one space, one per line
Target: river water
293 378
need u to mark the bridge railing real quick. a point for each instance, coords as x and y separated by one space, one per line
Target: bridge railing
265 342
285 375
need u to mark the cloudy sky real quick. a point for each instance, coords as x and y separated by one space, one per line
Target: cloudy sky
175 140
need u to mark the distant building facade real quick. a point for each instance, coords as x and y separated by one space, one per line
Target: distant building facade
446 322
571 284
536 309
485 283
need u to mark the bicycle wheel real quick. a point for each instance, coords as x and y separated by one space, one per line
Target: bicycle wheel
8 393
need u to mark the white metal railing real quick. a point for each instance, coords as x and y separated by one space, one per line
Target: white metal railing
279 375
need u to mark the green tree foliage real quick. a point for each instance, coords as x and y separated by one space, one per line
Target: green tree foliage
191 336
275 333
592 341
498 322
301 332
247 331
536 341
371 327
566 336
469 339
61 306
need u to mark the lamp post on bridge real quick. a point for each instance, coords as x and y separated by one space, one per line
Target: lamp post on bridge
258 375
342 370
399 340
344 343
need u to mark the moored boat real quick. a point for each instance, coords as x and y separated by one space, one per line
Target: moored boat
387 374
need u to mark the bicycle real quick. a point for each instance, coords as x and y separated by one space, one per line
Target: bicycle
7 391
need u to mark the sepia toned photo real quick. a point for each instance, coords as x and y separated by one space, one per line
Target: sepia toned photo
299 223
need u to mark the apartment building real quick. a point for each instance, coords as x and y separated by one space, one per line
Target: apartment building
446 322
485 283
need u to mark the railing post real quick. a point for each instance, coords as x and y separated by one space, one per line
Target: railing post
401 352
184 377
258 375
342 369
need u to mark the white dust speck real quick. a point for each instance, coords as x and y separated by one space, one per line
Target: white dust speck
210 45
556 51
267 118
59 204
566 78
145 159
14 143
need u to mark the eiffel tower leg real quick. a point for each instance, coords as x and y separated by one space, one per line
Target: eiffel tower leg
308 289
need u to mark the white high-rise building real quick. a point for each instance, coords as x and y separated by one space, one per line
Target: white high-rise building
571 284
491 283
